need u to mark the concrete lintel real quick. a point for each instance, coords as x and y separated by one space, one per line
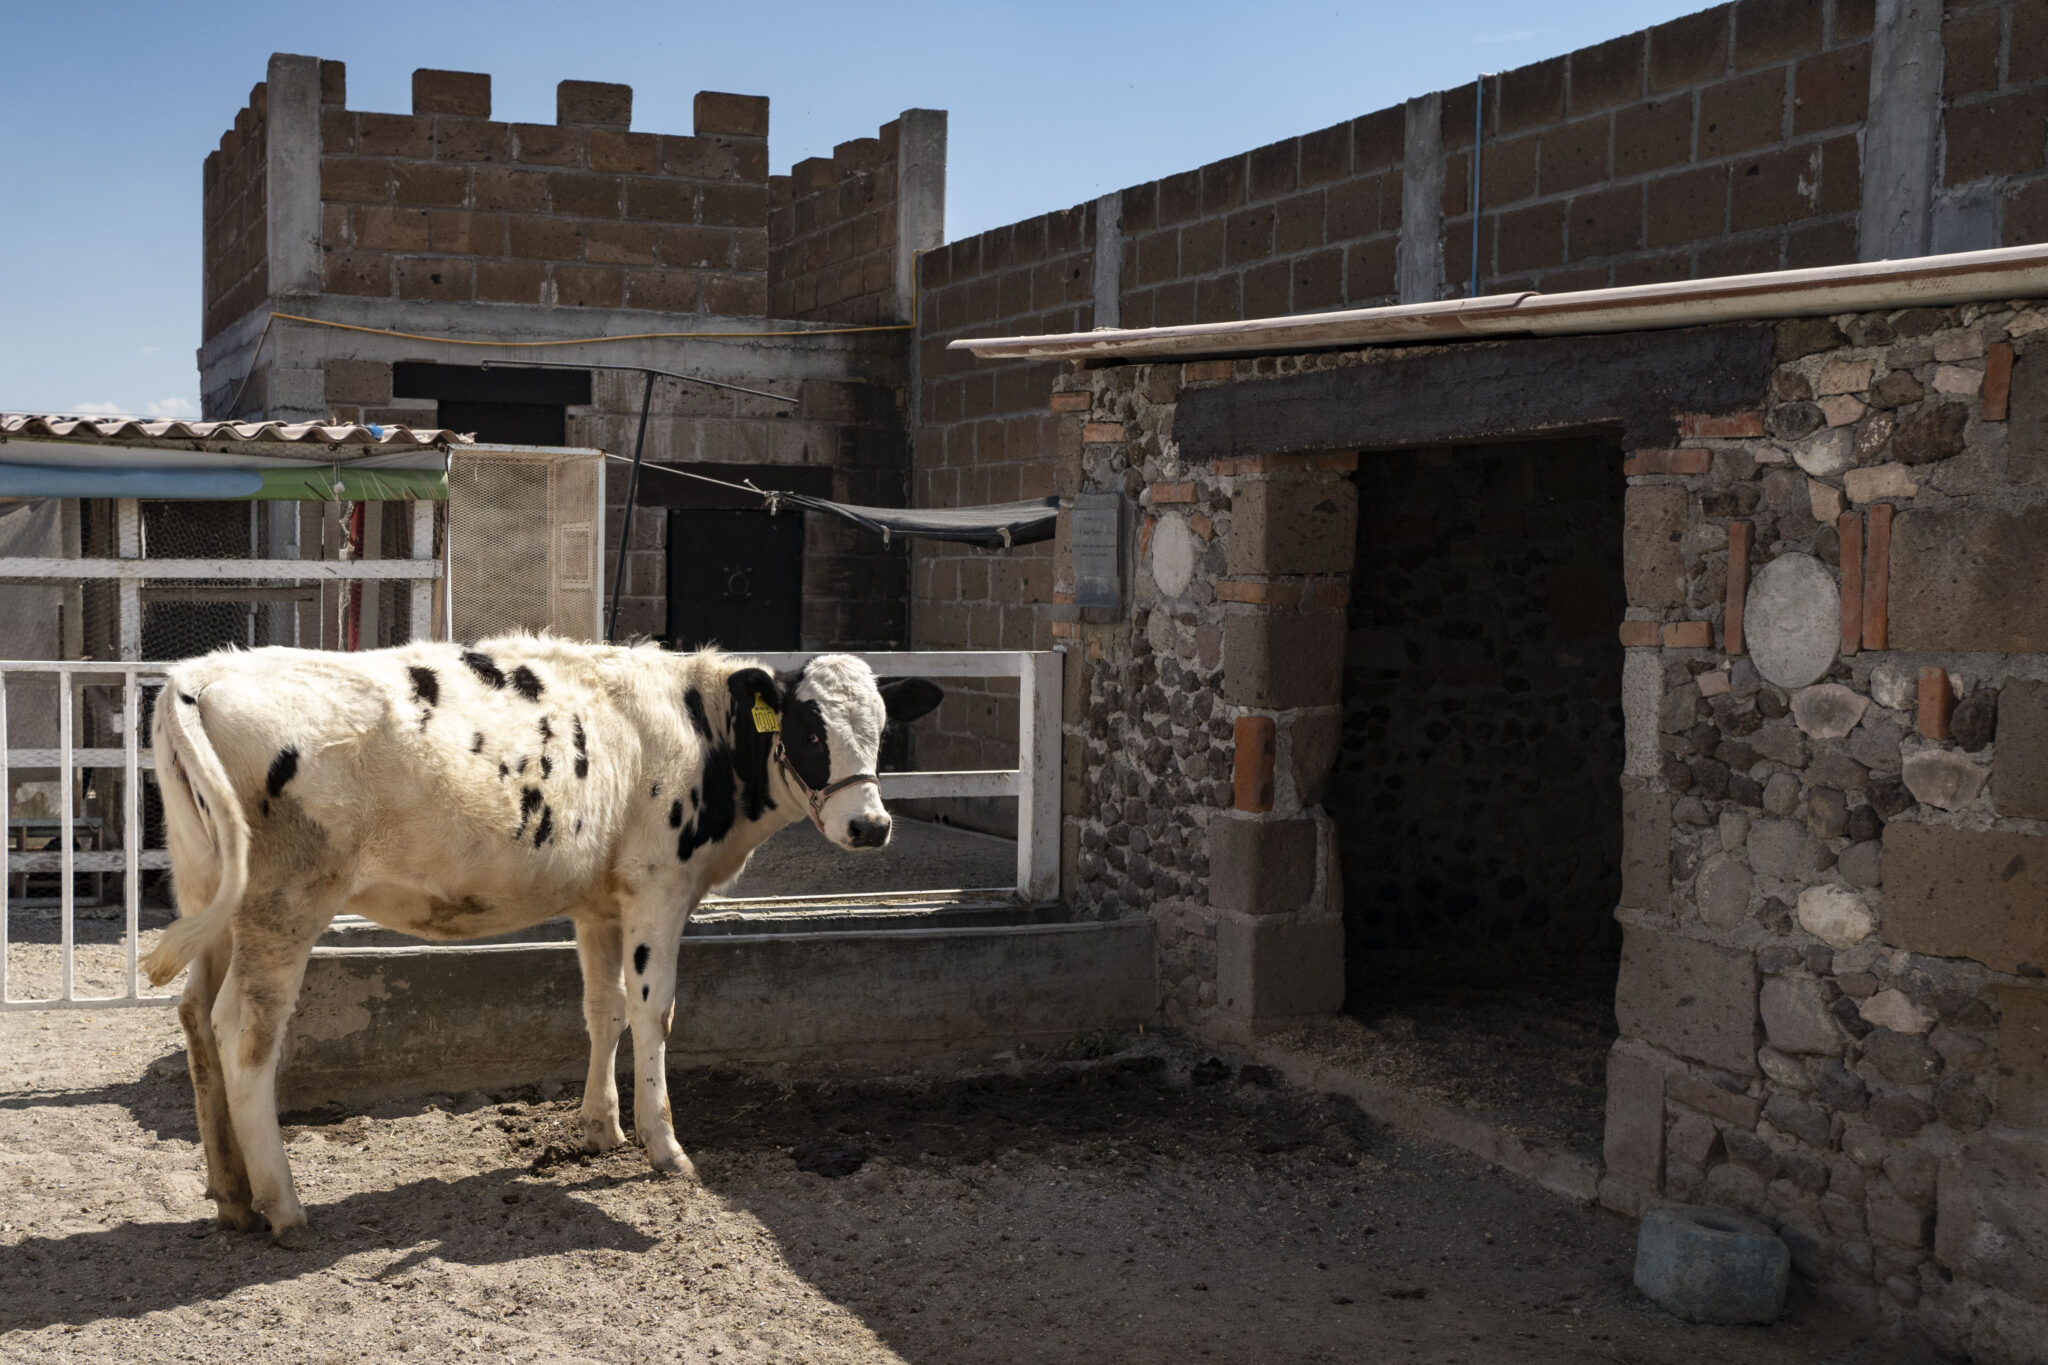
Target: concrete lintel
292 174
920 196
1109 260
1902 134
1419 255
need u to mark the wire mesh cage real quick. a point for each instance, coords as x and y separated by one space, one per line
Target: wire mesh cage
523 541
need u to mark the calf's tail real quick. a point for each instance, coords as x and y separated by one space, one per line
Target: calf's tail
204 829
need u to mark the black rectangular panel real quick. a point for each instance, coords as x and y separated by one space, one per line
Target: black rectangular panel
509 424
735 579
498 384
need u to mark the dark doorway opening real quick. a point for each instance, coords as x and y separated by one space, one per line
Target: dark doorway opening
735 579
1477 793
501 405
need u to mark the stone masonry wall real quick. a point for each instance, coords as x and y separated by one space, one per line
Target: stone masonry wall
1836 687
446 204
237 242
1476 796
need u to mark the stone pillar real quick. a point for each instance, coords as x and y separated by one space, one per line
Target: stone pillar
920 197
1109 260
1419 256
292 175
1274 880
1901 137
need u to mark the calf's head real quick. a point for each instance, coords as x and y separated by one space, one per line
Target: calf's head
825 722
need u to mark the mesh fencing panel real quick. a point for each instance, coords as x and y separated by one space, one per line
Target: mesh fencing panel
523 543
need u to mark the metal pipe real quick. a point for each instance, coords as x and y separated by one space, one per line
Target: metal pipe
2019 272
611 625
1478 134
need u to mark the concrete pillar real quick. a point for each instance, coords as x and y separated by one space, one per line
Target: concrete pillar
292 174
920 196
1419 256
1109 260
1901 137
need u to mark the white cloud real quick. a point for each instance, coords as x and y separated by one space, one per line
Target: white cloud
172 407
97 410
1520 35
151 350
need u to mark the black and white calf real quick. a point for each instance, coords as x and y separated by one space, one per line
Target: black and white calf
456 793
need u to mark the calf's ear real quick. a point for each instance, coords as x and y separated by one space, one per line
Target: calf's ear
908 698
755 695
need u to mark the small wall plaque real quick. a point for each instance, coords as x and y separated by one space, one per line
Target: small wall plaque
1095 525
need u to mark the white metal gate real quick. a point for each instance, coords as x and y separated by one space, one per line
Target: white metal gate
1035 785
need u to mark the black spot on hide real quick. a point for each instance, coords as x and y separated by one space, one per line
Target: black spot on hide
583 753
547 826
577 828
640 959
693 702
283 769
266 805
547 731
675 815
484 666
525 683
654 791
643 992
695 799
547 765
529 802
521 769
425 686
476 745
188 699
503 771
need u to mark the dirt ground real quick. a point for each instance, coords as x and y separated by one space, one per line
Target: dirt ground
1141 1203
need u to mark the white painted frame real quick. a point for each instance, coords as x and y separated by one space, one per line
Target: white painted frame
1035 783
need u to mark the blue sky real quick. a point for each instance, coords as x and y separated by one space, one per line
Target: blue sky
109 109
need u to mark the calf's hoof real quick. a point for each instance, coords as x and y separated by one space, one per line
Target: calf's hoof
600 1136
297 1237
676 1166
240 1217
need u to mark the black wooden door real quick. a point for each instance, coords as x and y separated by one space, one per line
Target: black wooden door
735 579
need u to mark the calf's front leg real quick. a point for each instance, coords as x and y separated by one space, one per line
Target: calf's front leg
604 1014
653 927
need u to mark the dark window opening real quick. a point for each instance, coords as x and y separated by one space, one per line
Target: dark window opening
735 579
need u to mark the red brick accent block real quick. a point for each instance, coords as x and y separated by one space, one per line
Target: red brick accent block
1937 702
1692 461
1740 536
1733 425
1071 402
1688 635
1997 381
1096 433
1261 594
1251 775
1849 526
1877 577
1166 492
1641 634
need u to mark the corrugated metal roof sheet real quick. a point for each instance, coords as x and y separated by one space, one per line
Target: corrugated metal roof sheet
308 437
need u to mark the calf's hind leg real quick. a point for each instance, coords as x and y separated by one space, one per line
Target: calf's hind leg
654 930
249 1018
227 1179
604 1014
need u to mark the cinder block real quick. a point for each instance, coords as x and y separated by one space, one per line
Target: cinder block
733 115
1293 526
1260 867
1645 848
2019 779
1967 893
358 381
1969 580
1279 662
451 92
1690 997
1652 567
596 104
1635 1116
1270 969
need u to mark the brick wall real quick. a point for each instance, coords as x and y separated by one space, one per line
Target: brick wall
1995 85
446 204
1297 226
237 243
832 233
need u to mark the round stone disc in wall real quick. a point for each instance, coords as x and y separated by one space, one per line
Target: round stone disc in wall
1173 555
1792 621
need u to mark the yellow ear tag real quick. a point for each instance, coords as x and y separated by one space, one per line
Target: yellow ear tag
766 721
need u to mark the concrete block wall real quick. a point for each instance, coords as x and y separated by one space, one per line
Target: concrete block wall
832 233
235 274
1831 989
1994 179
446 204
